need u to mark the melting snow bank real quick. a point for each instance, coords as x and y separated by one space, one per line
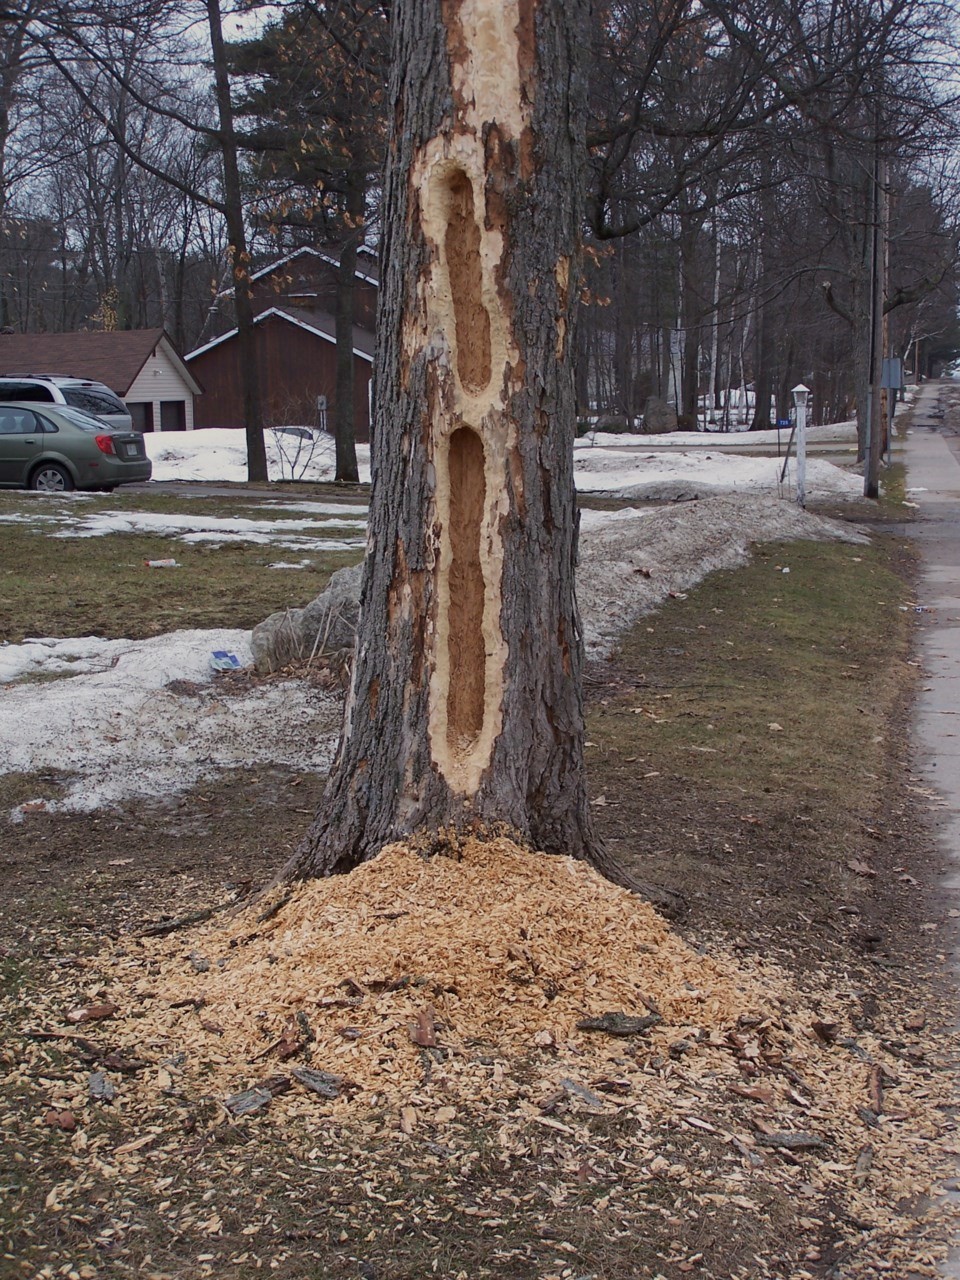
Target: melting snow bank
629 473
146 718
630 560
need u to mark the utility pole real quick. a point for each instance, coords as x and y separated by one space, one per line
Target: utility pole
878 283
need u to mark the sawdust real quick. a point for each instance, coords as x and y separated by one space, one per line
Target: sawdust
505 950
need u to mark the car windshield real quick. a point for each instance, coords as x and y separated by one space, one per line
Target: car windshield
86 421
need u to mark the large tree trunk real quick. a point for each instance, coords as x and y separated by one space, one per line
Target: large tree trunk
465 706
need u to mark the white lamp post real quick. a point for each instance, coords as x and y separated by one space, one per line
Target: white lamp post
800 397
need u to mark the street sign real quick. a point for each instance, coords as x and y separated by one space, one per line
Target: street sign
891 379
783 422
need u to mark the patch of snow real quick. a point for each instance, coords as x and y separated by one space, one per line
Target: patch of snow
197 527
277 540
737 438
220 454
631 474
120 732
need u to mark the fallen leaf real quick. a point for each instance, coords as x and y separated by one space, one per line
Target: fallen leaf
860 868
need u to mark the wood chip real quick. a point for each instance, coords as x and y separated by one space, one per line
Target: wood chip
92 1012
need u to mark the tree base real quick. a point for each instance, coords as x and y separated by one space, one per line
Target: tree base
313 860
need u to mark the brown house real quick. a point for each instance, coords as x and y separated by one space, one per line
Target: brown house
141 365
295 301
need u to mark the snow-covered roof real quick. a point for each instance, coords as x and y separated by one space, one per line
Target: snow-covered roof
317 322
307 251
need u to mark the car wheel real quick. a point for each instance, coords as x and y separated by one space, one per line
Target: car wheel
50 477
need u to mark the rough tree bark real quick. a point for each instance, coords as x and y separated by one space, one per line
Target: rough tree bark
465 708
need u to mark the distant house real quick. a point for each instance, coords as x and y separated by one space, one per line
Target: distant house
295 302
141 365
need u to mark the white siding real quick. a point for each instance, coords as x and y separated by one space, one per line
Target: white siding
160 380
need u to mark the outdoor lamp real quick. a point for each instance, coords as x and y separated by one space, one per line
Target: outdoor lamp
800 395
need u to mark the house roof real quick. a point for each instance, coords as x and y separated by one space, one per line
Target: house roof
317 322
306 252
367 275
113 358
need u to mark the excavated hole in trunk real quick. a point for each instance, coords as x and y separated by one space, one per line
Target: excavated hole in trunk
462 249
467 660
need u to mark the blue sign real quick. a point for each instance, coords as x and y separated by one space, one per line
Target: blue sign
783 422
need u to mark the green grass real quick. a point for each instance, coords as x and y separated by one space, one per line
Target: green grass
102 586
817 652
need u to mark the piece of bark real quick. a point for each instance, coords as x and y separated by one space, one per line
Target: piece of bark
617 1023
182 922
126 1066
424 1032
101 1088
791 1141
325 1083
864 1161
826 1032
756 1093
64 1120
875 1089
579 1091
250 1101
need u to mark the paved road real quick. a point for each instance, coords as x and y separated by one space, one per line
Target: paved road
932 455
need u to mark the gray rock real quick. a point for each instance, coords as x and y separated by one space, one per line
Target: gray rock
327 624
101 1088
658 416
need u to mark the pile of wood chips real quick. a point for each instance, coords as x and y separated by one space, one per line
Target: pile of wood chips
410 961
514 988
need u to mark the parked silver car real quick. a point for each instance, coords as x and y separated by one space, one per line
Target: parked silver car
80 393
55 448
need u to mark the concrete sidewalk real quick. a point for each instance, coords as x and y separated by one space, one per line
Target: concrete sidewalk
932 457
933 477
